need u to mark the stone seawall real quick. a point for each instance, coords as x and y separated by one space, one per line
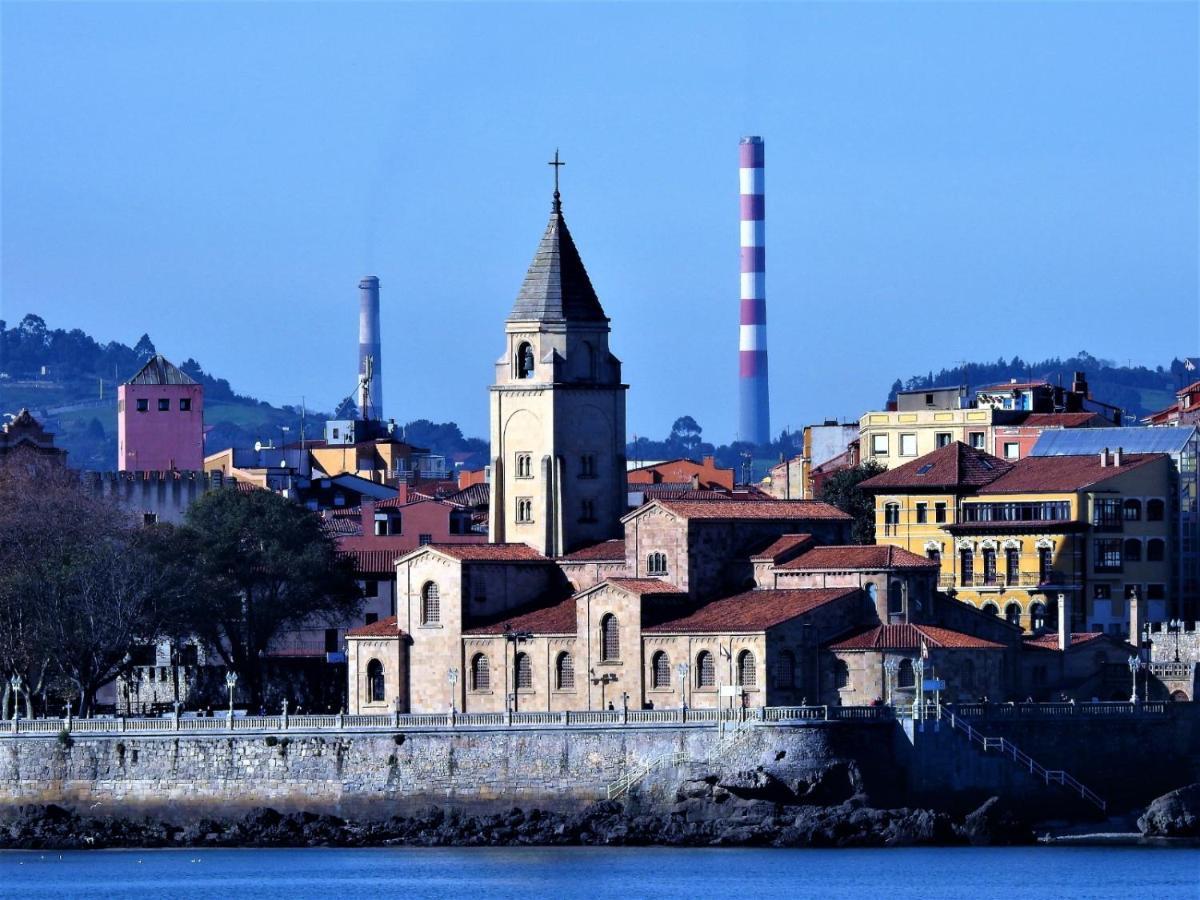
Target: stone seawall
386 774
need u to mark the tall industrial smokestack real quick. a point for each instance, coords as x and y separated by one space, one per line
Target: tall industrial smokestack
370 389
754 406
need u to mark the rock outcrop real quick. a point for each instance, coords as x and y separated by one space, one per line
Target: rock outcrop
1176 814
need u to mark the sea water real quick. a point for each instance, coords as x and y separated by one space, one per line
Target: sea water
1025 873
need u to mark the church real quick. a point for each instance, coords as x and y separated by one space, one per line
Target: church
576 603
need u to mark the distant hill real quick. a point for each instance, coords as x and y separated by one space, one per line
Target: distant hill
1136 389
69 382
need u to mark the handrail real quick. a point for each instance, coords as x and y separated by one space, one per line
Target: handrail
1007 748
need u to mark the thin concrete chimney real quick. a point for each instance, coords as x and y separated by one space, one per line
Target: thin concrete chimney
370 395
1104 458
1064 622
1117 456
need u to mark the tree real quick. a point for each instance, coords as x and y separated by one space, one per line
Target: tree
685 436
843 491
259 564
144 348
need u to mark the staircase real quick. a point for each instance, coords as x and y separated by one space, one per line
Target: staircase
1024 760
729 742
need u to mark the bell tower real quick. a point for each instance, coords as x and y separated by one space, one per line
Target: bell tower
557 408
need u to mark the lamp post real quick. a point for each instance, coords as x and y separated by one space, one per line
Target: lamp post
682 671
603 680
452 680
231 681
890 667
15 684
1176 626
1135 664
513 637
919 676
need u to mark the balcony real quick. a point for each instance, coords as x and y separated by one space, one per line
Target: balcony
988 581
947 581
1048 577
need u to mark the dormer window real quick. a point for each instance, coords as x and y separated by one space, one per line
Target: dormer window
525 360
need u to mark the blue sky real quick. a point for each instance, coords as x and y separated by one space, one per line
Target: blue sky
943 182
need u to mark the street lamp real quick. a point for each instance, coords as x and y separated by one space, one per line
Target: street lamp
890 667
603 680
682 671
513 637
452 680
1176 625
919 676
231 680
15 684
1135 664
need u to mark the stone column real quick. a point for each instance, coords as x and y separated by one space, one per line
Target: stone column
1137 618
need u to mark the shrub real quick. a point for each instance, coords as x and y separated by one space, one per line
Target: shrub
272 740
65 740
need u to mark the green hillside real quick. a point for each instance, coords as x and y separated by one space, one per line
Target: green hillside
69 382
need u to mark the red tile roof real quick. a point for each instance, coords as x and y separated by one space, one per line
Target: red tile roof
372 562
1190 389
951 467
910 637
490 552
1050 641
753 509
412 499
644 585
782 547
604 551
859 556
1063 473
383 628
553 618
1061 420
751 611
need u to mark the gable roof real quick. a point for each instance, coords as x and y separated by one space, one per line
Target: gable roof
643 586
910 637
859 556
1063 473
755 610
1049 641
782 548
604 551
158 370
486 552
955 466
752 509
557 617
383 628
557 287
372 562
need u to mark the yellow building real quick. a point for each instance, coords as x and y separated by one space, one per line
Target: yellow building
922 422
1016 539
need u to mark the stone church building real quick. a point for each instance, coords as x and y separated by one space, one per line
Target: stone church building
577 604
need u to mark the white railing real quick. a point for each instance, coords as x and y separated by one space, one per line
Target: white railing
1007 748
640 771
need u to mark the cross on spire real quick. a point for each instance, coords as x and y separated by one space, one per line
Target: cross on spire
557 165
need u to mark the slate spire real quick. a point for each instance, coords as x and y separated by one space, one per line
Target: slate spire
557 287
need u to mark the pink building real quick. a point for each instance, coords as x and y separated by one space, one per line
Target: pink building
160 420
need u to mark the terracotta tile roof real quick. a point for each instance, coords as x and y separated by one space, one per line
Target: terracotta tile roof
383 628
751 611
490 552
1190 389
910 636
1060 420
859 556
754 509
412 499
557 617
780 548
1050 641
1063 473
951 467
372 562
644 585
599 552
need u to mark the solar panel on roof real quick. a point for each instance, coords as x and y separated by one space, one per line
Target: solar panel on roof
925 468
1083 441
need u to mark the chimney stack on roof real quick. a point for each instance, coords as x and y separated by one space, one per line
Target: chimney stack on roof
370 395
1117 456
1104 458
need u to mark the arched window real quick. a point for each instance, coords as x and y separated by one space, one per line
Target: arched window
523 667
872 592
891 518
1156 550
375 683
524 465
525 360
905 677
610 638
564 672
989 566
660 665
706 670
431 604
481 673
785 670
1133 550
991 609
1012 614
1132 510
841 674
1155 510
895 598
934 555
1037 616
747 671
656 564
